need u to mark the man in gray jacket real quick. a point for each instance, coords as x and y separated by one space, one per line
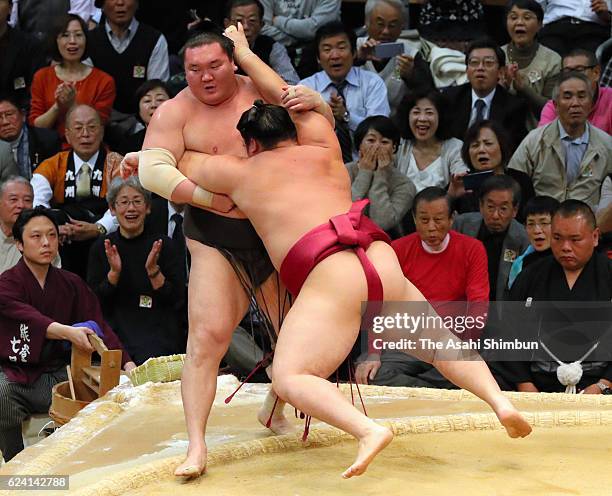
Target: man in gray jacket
568 158
8 167
503 237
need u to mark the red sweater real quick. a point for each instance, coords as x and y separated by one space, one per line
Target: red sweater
459 273
97 90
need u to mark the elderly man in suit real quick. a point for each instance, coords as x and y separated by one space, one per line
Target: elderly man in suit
503 237
29 145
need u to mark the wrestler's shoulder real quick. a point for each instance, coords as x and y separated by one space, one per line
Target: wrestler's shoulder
246 86
175 106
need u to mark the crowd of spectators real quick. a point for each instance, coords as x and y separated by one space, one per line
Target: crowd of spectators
489 164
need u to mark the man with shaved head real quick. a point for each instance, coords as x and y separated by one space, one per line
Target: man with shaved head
575 273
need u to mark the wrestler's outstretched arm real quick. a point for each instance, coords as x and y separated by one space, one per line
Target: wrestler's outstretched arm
271 86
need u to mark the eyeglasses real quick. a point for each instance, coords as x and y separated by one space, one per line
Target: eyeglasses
91 129
487 62
124 203
541 225
77 36
579 68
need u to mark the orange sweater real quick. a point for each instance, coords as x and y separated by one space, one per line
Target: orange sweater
97 90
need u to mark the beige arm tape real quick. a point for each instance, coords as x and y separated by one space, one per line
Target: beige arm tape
202 197
158 173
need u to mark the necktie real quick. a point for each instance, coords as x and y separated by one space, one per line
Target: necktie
343 133
480 109
179 240
83 182
573 157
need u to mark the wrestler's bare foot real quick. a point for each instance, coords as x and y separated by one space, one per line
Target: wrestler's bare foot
278 423
369 446
195 463
274 406
511 419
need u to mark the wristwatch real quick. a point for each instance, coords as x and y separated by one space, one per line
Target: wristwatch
605 389
346 116
101 229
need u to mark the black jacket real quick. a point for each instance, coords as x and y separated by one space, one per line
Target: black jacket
43 143
38 17
20 60
510 111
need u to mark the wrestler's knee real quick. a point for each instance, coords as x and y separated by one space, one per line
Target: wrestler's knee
284 385
208 342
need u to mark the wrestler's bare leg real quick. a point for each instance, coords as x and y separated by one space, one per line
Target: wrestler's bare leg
217 303
317 335
271 299
474 376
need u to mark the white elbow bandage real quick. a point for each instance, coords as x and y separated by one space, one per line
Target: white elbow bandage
157 172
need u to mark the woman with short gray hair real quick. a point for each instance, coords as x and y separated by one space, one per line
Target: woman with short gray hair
118 184
138 277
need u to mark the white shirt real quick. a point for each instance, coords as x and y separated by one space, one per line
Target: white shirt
171 222
487 110
580 9
172 227
43 193
14 17
85 9
432 175
158 66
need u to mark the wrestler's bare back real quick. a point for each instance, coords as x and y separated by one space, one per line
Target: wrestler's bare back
288 191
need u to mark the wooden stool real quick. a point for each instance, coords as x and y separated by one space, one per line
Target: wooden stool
86 382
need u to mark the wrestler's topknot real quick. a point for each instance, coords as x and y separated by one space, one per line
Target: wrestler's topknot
267 124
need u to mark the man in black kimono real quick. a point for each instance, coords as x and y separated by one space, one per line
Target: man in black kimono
575 273
38 306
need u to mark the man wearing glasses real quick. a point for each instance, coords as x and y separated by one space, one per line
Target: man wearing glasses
503 237
482 97
583 61
76 182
